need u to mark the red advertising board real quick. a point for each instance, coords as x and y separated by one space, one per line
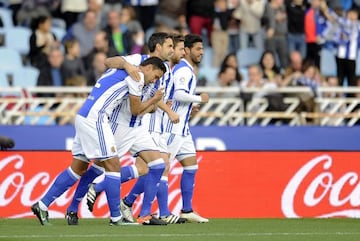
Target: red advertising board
228 184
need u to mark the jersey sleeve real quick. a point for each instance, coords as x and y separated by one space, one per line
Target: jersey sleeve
134 59
135 87
182 78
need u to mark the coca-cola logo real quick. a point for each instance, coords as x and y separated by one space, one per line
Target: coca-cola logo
315 184
22 183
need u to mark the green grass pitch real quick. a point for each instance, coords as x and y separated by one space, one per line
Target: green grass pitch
216 230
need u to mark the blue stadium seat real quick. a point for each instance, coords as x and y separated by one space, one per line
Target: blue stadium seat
59 33
209 72
358 64
25 77
17 38
43 120
6 18
3 79
11 62
207 58
248 56
327 62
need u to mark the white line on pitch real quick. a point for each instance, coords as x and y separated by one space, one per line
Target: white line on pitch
178 235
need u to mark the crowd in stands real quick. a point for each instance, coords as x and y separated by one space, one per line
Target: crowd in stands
290 36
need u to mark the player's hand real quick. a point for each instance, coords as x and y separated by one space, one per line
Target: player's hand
194 110
159 94
133 71
169 103
204 97
174 118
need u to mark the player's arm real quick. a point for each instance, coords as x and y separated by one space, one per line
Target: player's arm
137 106
150 109
183 96
119 62
174 118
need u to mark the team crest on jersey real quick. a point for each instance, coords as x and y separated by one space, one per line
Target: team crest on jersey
182 80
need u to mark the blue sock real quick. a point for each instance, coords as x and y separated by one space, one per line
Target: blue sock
187 187
63 182
137 189
156 169
112 190
162 197
93 172
128 173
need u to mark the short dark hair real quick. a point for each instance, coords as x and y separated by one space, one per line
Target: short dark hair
177 38
157 38
191 39
156 62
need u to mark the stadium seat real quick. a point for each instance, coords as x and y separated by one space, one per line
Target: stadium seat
248 56
6 18
25 77
207 58
3 79
327 62
210 73
11 62
18 38
59 33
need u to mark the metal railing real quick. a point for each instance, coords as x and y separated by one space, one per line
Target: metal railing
19 106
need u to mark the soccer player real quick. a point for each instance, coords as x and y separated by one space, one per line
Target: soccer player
179 138
156 130
94 139
160 45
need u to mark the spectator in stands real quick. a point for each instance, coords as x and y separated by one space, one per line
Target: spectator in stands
220 36
348 44
52 74
14 6
296 62
130 23
96 6
73 64
276 31
70 11
314 25
145 12
233 27
296 36
200 16
268 66
226 78
97 68
41 41
32 9
119 37
170 12
101 44
231 60
84 31
250 13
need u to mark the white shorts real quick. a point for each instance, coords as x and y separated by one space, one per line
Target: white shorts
179 146
134 140
93 139
160 141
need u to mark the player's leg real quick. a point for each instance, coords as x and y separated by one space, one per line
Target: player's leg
93 172
151 181
187 158
163 189
63 182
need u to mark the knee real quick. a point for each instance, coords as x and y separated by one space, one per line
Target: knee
142 168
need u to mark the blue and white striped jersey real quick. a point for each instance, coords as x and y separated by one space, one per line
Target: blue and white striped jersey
184 79
154 120
349 38
122 113
109 91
